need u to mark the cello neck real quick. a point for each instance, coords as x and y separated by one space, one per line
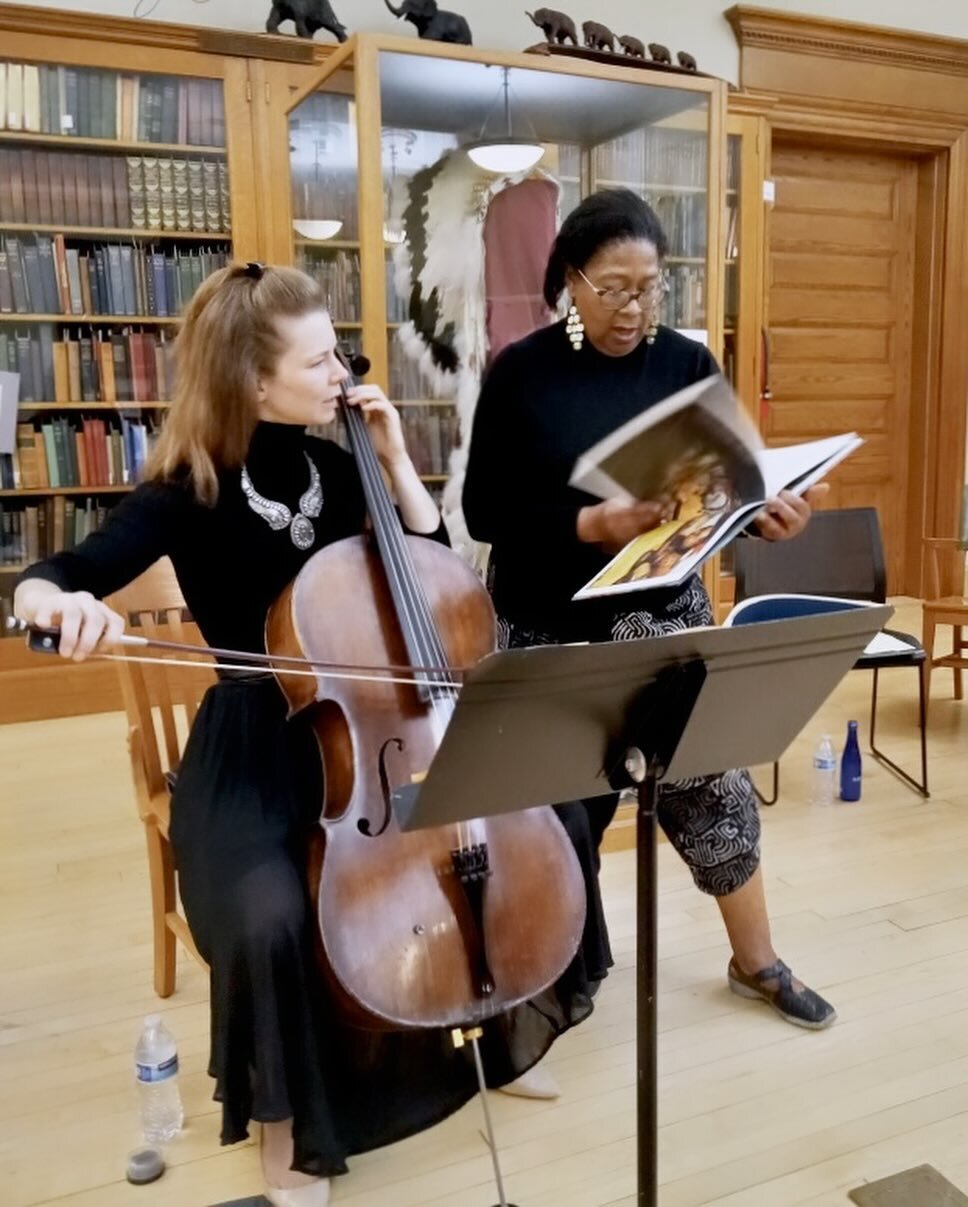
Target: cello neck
417 624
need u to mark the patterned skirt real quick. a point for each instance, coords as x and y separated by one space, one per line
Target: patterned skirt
712 820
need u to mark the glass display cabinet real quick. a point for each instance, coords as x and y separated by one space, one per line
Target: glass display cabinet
399 151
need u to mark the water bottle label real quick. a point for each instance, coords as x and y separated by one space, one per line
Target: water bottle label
825 764
167 1068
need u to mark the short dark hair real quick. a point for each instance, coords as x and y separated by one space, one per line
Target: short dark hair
609 216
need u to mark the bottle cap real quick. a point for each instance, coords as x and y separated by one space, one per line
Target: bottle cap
145 1165
152 1020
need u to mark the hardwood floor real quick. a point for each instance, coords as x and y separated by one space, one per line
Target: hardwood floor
869 904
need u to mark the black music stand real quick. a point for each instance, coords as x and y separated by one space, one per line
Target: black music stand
557 723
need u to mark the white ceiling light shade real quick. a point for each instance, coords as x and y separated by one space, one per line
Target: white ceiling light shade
505 156
502 153
317 229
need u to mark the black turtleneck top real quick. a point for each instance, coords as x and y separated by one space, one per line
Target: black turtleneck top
230 564
541 406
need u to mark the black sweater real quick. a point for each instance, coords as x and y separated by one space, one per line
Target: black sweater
541 406
230 564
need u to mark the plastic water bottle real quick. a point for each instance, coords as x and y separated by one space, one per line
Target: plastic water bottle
824 772
156 1062
850 766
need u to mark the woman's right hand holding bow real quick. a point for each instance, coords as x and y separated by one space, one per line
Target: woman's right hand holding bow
84 622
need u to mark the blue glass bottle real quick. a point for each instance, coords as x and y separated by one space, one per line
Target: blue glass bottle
850 766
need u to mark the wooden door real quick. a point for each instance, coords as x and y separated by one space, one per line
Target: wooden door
841 281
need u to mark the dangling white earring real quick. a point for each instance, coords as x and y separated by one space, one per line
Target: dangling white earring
575 328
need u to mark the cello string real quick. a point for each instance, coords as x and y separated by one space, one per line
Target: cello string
413 610
384 517
403 568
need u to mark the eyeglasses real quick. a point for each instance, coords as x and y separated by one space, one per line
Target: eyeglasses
618 299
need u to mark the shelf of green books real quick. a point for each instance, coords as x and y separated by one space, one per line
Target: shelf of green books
110 232
68 142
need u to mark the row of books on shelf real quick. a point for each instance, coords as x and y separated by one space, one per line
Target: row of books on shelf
31 531
42 275
430 433
684 219
398 305
90 102
68 452
338 274
103 366
133 192
655 155
407 381
685 302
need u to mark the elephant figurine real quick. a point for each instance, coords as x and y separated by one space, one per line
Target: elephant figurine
660 53
687 61
556 27
598 36
633 47
433 23
308 16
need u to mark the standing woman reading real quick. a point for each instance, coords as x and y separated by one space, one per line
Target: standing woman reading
546 400
239 496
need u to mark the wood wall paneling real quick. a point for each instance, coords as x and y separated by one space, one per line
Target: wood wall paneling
829 85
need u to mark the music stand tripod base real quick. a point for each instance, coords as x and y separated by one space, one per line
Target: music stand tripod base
471 1036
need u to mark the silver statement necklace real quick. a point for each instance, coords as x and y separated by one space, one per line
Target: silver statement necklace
278 515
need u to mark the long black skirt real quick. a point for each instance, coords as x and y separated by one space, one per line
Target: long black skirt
247 796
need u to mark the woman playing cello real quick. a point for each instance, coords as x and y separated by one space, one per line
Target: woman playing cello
240 497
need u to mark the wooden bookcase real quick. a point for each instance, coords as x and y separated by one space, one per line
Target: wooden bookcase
127 174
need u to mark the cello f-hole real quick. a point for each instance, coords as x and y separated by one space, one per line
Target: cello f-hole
363 825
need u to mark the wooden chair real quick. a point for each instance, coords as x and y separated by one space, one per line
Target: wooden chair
153 696
946 604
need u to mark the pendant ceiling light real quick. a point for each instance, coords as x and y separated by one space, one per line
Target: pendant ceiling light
503 153
316 230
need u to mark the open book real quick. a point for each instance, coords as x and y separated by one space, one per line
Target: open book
760 608
699 451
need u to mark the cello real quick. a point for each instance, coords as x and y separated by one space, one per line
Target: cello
444 927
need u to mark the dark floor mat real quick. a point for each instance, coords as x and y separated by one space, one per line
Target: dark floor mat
922 1186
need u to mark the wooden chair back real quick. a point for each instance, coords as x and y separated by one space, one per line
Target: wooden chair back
944 567
161 699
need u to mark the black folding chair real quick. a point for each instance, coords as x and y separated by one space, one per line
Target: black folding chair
840 553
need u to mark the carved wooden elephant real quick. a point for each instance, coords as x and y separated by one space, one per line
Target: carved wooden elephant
556 27
598 36
633 47
660 53
686 60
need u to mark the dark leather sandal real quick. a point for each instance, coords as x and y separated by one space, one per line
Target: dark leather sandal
803 1009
